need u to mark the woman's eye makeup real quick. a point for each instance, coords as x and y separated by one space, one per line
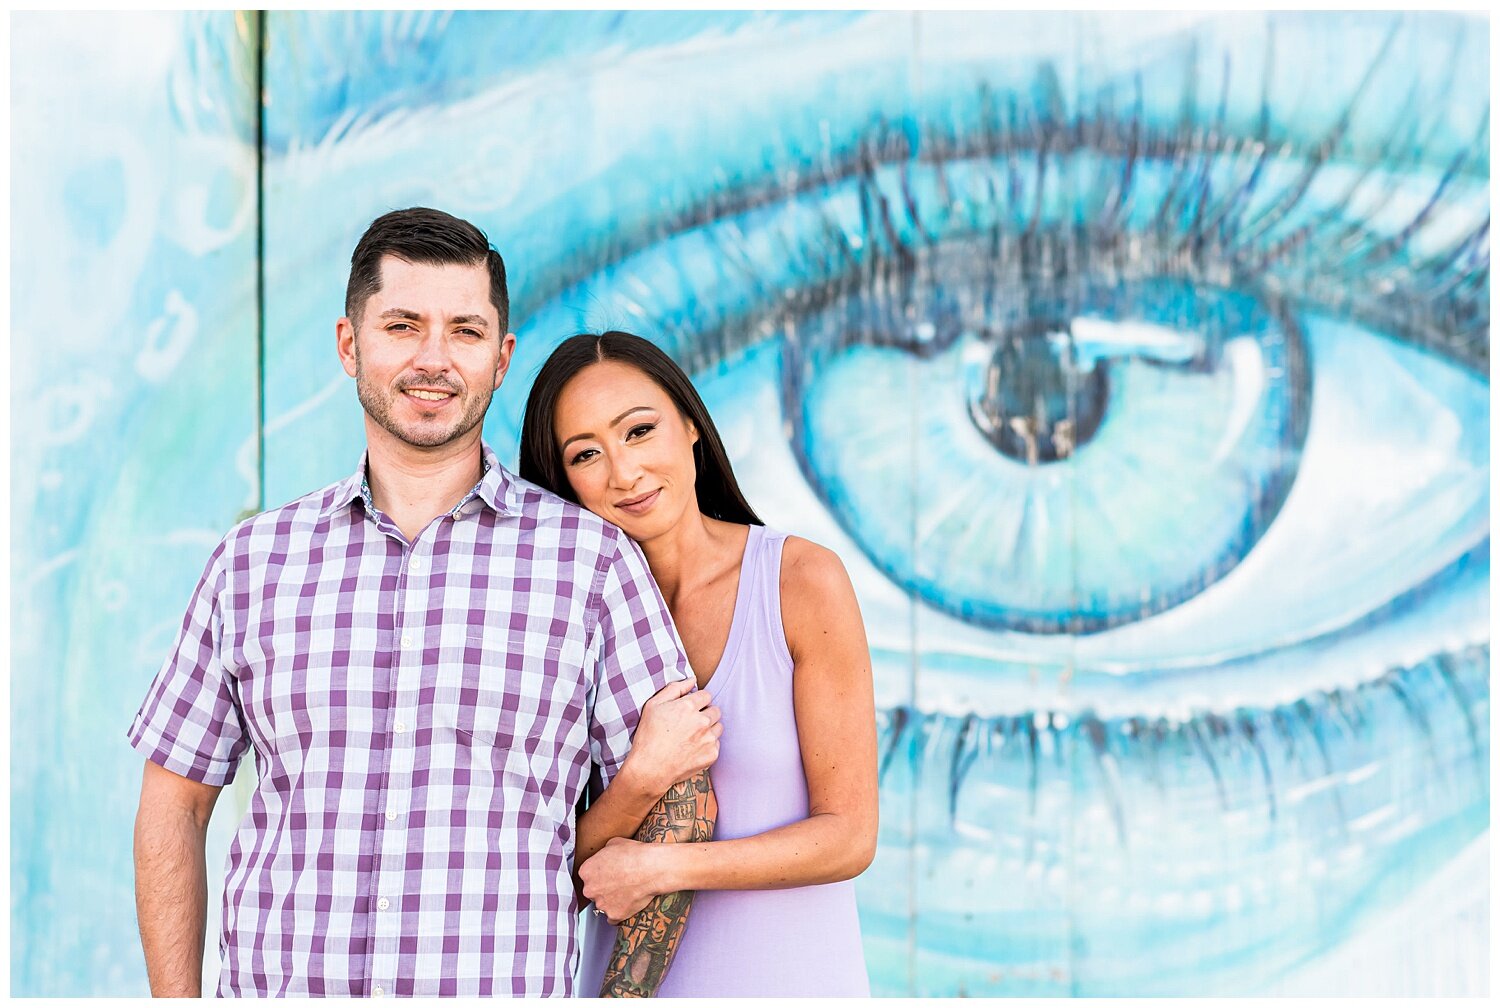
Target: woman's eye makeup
1140 379
639 431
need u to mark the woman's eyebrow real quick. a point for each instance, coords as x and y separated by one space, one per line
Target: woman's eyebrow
634 409
613 423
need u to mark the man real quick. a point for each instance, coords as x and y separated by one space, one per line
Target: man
428 659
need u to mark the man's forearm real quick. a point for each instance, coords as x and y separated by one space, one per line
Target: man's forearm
619 812
648 941
171 899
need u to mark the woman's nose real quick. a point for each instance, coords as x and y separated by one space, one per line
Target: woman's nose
623 473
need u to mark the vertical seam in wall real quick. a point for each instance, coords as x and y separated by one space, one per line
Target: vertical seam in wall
260 259
914 446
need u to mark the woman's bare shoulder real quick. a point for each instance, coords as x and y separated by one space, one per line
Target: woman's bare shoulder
817 596
808 569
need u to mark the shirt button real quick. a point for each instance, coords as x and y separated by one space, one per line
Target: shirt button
400 727
378 992
406 641
416 563
383 903
390 815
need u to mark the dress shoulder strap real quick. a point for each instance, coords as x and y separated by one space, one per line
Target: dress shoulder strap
766 545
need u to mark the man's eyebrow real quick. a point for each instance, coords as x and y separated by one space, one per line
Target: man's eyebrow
407 313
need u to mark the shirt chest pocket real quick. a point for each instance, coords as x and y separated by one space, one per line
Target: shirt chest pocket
516 689
520 707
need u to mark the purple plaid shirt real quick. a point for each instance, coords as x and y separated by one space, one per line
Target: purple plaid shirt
424 719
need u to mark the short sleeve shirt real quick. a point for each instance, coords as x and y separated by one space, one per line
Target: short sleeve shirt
424 718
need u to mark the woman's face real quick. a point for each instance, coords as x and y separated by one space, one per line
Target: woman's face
627 451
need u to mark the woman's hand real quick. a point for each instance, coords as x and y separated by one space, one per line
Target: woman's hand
677 737
623 877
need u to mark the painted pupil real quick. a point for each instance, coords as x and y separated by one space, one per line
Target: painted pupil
1035 404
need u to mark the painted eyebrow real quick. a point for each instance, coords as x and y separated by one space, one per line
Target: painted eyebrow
613 423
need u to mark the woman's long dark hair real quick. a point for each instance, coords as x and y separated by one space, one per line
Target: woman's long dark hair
718 492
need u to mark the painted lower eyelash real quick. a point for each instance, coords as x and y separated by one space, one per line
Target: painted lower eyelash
1247 779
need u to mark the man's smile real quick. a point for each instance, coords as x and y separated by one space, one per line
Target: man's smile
429 395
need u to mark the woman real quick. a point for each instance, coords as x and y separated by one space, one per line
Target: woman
771 626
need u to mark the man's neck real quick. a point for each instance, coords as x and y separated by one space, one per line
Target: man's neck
412 486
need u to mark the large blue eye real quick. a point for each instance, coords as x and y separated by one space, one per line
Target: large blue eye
1104 451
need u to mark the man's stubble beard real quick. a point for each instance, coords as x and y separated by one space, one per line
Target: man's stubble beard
378 405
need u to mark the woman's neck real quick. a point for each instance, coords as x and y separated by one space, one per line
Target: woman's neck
685 555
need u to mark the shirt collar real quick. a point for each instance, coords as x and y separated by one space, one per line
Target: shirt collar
496 488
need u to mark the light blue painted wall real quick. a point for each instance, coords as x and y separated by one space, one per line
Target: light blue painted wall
133 420
1199 707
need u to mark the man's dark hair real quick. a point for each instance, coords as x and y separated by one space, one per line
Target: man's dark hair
426 236
719 493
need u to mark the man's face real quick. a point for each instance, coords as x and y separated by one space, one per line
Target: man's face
427 354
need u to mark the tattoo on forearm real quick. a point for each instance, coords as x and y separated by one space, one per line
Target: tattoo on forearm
648 941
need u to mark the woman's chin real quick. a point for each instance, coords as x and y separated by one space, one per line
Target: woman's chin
645 528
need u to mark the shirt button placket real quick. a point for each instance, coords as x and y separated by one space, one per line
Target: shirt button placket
412 602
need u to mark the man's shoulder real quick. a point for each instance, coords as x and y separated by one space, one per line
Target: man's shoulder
305 513
548 513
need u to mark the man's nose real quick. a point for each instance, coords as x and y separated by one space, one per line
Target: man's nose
432 354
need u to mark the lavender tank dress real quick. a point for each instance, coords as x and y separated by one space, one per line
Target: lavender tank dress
764 943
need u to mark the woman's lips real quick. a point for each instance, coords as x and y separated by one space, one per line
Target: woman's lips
639 505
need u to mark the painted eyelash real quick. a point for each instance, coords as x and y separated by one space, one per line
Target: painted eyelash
1331 262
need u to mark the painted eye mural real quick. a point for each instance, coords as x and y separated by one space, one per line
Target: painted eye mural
1136 366
1139 377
